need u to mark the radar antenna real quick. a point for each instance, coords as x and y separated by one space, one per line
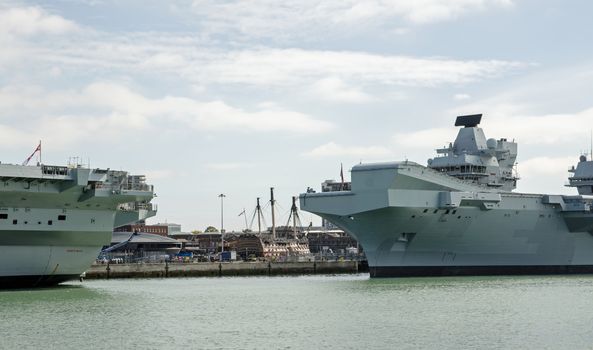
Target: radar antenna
468 121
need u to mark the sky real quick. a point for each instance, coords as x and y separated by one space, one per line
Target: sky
220 96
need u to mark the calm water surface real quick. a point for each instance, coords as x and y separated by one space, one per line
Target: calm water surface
310 312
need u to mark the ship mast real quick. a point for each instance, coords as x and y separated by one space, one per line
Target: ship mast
295 217
272 201
244 213
259 215
590 149
222 195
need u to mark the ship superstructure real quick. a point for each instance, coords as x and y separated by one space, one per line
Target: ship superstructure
583 176
54 220
458 216
475 159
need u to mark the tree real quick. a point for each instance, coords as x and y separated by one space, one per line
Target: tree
211 229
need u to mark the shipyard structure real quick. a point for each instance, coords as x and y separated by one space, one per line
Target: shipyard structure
459 215
291 242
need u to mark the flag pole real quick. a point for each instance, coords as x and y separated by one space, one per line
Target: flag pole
342 176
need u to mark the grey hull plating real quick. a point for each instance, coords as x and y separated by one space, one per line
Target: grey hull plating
414 221
32 281
459 217
436 271
55 220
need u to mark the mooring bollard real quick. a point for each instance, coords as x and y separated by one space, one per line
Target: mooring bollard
108 269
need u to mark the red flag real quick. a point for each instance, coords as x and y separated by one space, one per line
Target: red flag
38 149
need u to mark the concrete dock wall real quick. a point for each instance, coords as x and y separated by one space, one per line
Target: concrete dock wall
148 270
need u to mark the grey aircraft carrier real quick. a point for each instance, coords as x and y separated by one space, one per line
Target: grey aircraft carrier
54 220
459 216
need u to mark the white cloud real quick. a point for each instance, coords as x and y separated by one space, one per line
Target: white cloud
295 66
401 31
546 129
163 60
508 121
110 110
518 121
12 137
427 11
545 174
544 165
160 174
299 18
228 166
425 139
219 116
336 75
31 21
332 149
334 89
461 97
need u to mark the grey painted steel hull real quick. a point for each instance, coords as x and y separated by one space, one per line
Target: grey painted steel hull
40 256
403 217
53 224
32 281
436 271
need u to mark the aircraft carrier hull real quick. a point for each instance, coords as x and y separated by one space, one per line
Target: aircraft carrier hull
413 221
435 271
31 281
42 258
55 220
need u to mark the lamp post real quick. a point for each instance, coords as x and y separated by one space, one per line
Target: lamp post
221 224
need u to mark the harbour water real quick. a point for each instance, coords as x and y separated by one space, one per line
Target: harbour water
305 312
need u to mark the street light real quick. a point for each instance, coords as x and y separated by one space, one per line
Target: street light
221 224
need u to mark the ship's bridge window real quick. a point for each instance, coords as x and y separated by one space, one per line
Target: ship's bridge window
3 216
61 217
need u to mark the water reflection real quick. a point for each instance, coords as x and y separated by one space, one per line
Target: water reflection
58 294
333 312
